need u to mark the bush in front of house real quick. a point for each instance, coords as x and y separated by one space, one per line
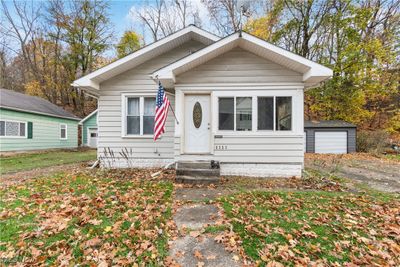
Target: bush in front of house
375 142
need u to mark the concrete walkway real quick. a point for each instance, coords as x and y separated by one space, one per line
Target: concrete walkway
194 247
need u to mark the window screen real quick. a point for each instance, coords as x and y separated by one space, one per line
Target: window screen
63 131
226 113
148 115
284 113
133 116
2 128
265 113
243 114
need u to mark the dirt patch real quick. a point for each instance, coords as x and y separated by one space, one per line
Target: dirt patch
19 177
378 173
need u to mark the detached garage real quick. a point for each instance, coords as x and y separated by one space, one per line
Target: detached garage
329 137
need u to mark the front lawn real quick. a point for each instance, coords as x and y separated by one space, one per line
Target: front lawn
29 161
305 228
87 220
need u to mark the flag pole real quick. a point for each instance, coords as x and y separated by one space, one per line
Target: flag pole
177 122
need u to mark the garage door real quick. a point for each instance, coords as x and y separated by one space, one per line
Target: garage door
331 142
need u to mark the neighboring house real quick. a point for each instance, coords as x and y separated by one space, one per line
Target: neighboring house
238 100
89 130
333 137
32 123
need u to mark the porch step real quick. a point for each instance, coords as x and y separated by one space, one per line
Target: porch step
194 164
196 180
198 172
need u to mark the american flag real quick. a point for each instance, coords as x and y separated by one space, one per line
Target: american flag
162 105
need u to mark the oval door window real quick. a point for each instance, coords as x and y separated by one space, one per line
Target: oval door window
197 115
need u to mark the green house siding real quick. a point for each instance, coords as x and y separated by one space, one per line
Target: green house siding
45 132
91 122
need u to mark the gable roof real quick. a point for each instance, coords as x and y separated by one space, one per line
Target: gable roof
313 73
20 102
88 117
91 81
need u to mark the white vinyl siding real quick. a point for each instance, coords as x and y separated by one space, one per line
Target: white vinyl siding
239 66
331 142
144 151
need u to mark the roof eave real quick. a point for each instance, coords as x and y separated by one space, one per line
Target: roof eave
315 74
88 116
89 82
41 113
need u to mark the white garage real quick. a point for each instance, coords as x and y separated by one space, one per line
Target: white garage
331 142
329 137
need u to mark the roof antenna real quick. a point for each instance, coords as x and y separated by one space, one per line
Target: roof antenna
244 11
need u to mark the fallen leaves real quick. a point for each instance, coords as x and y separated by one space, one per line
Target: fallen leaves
314 228
91 219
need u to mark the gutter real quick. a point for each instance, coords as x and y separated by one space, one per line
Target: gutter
41 113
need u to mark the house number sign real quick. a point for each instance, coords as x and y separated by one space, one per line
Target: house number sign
197 115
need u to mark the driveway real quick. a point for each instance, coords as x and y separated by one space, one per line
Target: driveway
378 173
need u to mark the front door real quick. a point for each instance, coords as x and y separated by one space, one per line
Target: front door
197 124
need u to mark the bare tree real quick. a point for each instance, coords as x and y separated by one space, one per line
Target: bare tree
164 17
224 15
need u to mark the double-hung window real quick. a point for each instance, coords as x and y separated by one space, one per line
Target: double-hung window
63 131
139 115
271 113
13 129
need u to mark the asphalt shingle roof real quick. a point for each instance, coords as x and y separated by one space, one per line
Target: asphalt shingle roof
18 101
328 124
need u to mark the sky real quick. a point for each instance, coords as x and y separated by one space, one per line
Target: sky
121 15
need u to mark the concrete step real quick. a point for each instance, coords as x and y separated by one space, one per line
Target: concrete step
198 172
194 165
197 180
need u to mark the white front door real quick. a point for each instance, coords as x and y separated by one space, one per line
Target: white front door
197 124
92 137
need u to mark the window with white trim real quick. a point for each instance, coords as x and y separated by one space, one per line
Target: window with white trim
63 131
139 115
274 113
12 128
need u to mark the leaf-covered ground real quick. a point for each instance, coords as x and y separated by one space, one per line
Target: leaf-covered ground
104 219
125 218
310 228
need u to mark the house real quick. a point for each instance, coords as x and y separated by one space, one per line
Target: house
238 102
89 130
333 137
32 123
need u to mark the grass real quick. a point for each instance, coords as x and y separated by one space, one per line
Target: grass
393 156
86 219
29 161
330 228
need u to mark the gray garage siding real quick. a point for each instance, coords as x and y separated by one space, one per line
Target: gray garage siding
351 137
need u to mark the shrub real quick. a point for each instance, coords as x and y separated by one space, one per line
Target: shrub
372 141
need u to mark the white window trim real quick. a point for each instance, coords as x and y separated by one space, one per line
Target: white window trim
19 137
66 131
124 101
